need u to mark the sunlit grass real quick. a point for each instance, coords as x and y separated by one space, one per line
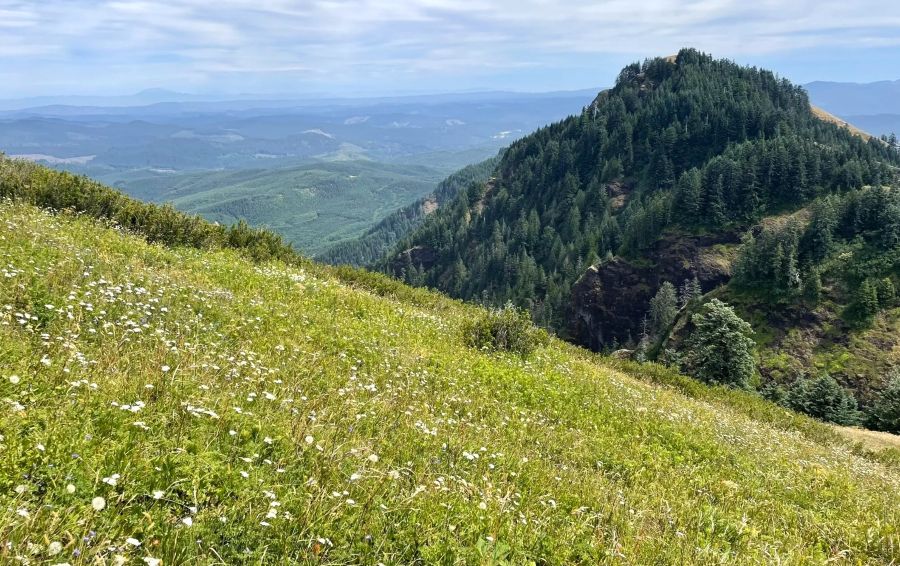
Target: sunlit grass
192 406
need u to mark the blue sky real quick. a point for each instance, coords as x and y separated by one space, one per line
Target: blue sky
366 47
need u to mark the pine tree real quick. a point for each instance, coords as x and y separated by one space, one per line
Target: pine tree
663 308
696 289
812 286
823 398
867 298
885 413
688 191
688 291
720 347
886 293
612 170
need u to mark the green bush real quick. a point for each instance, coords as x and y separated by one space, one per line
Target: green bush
505 329
59 190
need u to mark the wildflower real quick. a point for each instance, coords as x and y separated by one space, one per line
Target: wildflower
267 440
21 488
373 458
188 521
14 379
158 494
54 548
309 439
133 541
165 369
482 505
98 503
152 561
70 489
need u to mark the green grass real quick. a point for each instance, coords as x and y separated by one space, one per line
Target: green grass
313 206
260 413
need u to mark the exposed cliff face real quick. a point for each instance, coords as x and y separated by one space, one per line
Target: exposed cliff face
423 257
610 299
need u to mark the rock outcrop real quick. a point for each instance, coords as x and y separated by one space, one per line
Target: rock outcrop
610 299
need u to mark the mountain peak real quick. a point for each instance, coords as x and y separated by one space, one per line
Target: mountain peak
660 183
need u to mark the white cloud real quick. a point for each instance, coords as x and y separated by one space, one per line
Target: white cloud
345 42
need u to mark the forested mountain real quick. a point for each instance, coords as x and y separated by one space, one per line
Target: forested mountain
659 180
382 237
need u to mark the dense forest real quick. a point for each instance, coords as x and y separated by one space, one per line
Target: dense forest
693 141
382 237
683 151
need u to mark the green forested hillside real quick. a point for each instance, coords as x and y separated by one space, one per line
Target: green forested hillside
658 182
313 206
194 400
692 141
382 237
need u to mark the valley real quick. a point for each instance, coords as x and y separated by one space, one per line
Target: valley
319 171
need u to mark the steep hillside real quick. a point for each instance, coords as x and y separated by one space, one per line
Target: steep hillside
381 238
658 181
192 405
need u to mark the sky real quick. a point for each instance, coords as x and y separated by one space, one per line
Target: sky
388 47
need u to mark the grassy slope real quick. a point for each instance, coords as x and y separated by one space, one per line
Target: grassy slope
305 418
313 206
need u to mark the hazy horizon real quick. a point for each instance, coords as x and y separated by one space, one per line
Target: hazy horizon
365 48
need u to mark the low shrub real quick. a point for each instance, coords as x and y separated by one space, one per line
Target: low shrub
505 329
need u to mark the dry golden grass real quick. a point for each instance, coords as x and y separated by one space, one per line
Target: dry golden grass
828 117
871 439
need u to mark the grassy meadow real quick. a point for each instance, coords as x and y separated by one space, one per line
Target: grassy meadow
177 406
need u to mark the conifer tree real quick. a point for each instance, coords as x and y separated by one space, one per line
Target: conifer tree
663 307
867 298
720 347
823 398
885 413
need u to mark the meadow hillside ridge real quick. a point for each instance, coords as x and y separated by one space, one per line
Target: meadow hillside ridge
204 402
